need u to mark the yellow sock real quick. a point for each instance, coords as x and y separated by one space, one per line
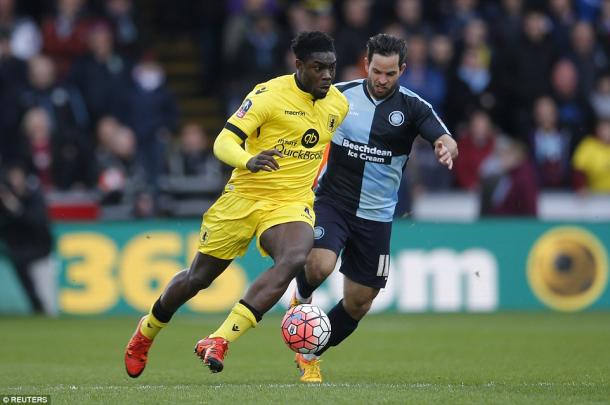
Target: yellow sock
240 319
150 326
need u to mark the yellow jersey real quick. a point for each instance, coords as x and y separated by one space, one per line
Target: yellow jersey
592 157
278 114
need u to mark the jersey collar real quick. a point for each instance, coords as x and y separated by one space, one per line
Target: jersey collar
376 102
303 94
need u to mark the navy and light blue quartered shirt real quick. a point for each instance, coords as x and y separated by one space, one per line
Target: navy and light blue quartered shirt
370 149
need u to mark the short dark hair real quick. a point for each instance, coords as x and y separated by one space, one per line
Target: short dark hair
308 42
387 45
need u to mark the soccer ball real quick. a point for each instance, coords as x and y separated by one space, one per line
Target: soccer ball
305 328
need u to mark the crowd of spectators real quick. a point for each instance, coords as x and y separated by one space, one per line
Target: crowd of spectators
84 106
523 85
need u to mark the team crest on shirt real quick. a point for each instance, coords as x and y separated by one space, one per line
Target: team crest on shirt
318 232
332 122
243 110
396 118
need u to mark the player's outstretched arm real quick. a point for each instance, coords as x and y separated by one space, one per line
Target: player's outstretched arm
445 149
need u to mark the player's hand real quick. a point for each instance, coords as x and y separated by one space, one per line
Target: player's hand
264 161
443 155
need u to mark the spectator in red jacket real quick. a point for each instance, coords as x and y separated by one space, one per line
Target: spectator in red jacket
508 181
65 34
475 144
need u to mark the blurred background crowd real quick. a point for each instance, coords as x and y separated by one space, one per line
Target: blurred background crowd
109 108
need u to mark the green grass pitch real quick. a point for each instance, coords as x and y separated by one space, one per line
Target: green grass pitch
506 358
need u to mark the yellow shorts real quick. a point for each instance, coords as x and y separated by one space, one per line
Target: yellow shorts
229 225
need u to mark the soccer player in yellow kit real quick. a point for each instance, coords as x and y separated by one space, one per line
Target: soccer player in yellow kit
285 124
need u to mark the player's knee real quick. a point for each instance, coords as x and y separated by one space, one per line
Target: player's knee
198 280
316 273
290 265
357 308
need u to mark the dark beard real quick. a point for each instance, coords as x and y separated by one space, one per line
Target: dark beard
370 88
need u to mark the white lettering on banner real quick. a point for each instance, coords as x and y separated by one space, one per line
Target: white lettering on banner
441 280
99 276
446 281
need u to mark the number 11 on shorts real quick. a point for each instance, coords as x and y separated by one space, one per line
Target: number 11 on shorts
383 268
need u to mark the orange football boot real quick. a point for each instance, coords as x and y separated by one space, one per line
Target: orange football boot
136 352
212 351
309 369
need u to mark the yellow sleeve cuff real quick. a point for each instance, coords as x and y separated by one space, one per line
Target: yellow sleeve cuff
227 148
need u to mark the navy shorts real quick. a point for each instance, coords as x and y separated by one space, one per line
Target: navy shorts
365 243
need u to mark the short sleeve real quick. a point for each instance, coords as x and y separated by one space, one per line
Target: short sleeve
427 122
254 111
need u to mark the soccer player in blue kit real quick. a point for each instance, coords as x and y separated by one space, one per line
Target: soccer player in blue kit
357 191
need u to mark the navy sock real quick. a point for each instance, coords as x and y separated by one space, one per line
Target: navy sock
305 289
341 325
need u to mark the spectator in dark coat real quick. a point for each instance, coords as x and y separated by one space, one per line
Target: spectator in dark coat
351 36
12 80
151 111
25 229
123 17
421 77
575 112
410 17
260 57
524 71
69 119
102 74
506 27
602 26
588 57
192 169
471 88
121 177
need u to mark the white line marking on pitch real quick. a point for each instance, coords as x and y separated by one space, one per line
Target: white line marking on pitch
491 384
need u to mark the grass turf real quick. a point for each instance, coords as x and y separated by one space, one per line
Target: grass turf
506 358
